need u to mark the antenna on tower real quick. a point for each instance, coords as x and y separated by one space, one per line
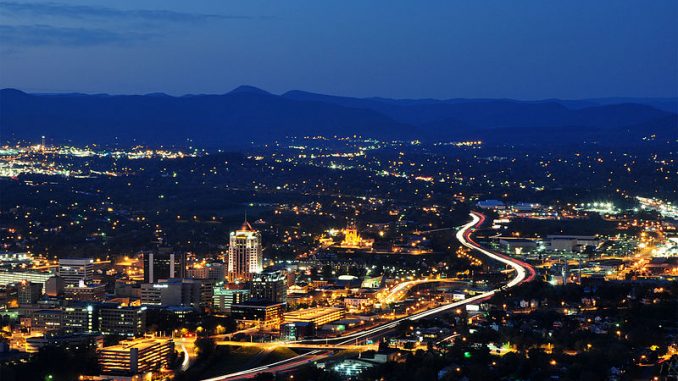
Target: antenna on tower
246 225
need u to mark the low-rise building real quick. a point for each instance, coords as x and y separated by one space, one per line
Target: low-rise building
172 292
358 304
29 292
7 277
491 204
54 286
70 342
569 242
214 271
46 321
80 317
135 357
257 313
123 321
517 245
296 330
224 298
318 316
85 292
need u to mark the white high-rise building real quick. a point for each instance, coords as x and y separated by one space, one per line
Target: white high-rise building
75 270
244 253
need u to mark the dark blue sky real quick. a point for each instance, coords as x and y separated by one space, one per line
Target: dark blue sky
516 49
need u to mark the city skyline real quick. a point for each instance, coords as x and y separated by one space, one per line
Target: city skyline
257 190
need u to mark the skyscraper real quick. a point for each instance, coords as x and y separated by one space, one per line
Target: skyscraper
244 253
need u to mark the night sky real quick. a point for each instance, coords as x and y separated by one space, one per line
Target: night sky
405 49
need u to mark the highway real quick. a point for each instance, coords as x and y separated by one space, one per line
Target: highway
400 292
277 344
187 346
523 273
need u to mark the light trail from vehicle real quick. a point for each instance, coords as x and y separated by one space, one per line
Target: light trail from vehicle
524 273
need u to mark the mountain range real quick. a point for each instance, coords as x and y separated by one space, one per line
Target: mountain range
251 115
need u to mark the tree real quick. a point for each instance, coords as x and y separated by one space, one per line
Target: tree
205 347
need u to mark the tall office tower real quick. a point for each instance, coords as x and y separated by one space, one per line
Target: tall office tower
269 286
164 264
75 270
244 253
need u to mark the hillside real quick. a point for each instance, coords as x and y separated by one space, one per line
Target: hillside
248 114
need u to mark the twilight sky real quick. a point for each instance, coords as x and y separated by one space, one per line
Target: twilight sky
524 49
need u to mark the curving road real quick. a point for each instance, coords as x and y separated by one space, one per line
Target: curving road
523 273
401 291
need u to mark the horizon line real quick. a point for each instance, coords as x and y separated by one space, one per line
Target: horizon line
255 88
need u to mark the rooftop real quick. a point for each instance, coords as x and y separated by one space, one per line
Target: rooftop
310 313
142 343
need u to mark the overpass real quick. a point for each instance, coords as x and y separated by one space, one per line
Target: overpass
400 292
275 344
